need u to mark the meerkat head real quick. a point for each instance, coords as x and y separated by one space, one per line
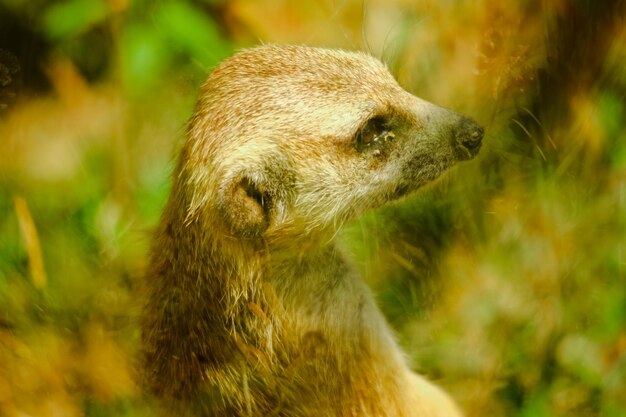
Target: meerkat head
293 140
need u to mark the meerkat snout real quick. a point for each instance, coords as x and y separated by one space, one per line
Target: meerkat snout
467 138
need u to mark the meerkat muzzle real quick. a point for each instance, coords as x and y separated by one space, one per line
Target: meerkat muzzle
467 138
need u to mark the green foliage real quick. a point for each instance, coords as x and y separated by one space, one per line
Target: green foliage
192 32
71 18
144 58
149 47
154 38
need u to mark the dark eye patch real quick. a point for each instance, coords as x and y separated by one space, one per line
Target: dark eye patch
375 130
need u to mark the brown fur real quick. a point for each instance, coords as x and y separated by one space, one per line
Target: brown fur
252 310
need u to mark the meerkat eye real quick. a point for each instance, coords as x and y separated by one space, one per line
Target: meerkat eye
375 129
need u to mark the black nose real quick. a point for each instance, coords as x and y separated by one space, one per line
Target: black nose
467 137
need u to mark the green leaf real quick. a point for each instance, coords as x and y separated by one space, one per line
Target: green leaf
192 32
71 18
143 58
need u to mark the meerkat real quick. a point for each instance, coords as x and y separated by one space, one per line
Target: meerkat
252 309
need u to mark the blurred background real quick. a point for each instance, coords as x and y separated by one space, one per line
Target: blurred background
505 281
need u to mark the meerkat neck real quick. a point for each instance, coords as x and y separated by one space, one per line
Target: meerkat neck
204 291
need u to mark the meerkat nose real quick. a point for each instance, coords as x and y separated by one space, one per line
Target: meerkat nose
467 137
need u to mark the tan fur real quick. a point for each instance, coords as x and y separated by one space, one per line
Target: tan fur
252 310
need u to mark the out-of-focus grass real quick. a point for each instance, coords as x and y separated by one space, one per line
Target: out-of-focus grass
506 280
66 347
83 176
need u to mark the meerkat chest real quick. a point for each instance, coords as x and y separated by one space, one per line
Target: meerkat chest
326 304
321 290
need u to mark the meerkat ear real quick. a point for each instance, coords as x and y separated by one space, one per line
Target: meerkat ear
255 193
245 206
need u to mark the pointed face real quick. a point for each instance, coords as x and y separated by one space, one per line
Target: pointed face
290 140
